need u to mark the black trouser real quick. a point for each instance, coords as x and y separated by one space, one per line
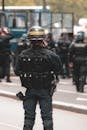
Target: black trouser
78 71
65 64
5 64
42 96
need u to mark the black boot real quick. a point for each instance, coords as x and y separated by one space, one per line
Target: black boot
8 79
48 128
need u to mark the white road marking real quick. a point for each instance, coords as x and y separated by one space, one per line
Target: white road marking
81 99
9 125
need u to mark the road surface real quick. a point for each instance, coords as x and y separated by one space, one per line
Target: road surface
65 96
12 115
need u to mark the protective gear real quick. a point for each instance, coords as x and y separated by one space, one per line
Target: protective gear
78 56
53 84
35 70
36 33
36 67
63 51
80 37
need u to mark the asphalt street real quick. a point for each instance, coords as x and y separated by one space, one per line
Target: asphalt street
12 117
65 96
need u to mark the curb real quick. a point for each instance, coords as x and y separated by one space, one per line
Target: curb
56 104
70 107
8 95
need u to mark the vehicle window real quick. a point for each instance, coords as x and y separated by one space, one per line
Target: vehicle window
16 21
2 20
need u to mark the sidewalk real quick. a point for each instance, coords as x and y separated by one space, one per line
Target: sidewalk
71 100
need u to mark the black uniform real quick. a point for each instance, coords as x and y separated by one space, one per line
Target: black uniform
63 51
5 55
21 45
38 67
51 42
78 56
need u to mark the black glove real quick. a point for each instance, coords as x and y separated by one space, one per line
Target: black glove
20 96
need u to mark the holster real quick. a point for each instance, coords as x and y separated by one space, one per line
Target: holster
52 90
53 86
20 96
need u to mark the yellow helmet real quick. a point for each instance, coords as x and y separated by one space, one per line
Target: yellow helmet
36 33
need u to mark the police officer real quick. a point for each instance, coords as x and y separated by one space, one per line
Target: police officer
38 68
5 53
50 41
63 51
21 45
78 57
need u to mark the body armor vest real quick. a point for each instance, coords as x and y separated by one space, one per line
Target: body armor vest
80 50
36 71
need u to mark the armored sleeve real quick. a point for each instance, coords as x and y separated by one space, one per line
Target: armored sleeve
56 64
18 66
72 53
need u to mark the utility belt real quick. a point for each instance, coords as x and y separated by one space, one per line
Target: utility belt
37 80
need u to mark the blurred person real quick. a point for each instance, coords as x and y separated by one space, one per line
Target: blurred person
63 51
50 41
78 59
5 53
38 68
21 45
